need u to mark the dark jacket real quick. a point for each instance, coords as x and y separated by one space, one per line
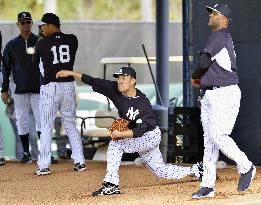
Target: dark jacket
0 50
17 61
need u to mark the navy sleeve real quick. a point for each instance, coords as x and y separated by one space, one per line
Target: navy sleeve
105 87
139 130
203 65
87 79
7 67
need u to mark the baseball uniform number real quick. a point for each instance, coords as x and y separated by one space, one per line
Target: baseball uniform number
64 55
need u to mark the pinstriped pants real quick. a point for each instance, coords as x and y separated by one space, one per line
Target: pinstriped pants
1 133
148 148
219 110
23 104
1 143
58 97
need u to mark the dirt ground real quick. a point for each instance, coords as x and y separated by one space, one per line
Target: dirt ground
138 185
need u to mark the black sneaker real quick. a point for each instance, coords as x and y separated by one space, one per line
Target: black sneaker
26 158
53 161
79 167
64 153
197 170
107 189
42 171
203 192
246 179
2 161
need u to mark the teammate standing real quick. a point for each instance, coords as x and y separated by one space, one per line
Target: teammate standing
217 77
56 52
143 136
18 61
2 159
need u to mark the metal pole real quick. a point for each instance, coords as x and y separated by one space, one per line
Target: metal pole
162 50
186 77
162 71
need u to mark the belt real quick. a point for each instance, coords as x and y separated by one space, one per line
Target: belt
211 87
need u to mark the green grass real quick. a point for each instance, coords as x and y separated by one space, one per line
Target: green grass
86 9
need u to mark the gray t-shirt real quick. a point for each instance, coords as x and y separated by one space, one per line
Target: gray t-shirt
223 69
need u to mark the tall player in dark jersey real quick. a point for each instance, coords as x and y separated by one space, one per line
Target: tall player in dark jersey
54 53
143 136
217 76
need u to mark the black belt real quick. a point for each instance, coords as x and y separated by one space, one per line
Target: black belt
211 88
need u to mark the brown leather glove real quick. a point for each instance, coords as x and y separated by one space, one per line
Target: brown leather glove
119 124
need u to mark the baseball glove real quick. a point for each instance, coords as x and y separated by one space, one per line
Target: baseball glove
119 124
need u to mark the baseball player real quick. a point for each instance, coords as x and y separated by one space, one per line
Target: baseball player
56 52
2 159
18 61
217 77
143 136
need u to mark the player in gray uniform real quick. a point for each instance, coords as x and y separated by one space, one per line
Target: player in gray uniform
143 136
217 77
18 61
56 52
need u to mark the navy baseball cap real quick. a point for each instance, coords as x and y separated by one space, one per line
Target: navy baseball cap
125 71
221 8
24 16
49 18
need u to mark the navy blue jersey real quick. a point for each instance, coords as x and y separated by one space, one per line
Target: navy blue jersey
18 62
0 50
54 53
223 69
137 110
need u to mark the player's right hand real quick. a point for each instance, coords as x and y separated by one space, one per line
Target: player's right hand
116 134
195 82
5 97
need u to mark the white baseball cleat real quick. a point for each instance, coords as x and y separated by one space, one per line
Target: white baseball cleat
79 167
42 171
107 189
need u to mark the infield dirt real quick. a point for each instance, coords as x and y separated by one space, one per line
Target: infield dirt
18 185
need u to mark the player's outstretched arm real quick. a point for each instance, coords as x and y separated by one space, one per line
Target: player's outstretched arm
67 73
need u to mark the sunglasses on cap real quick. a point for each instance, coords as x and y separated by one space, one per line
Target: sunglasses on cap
25 22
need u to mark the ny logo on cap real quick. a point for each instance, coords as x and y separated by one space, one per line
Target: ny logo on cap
24 15
120 70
